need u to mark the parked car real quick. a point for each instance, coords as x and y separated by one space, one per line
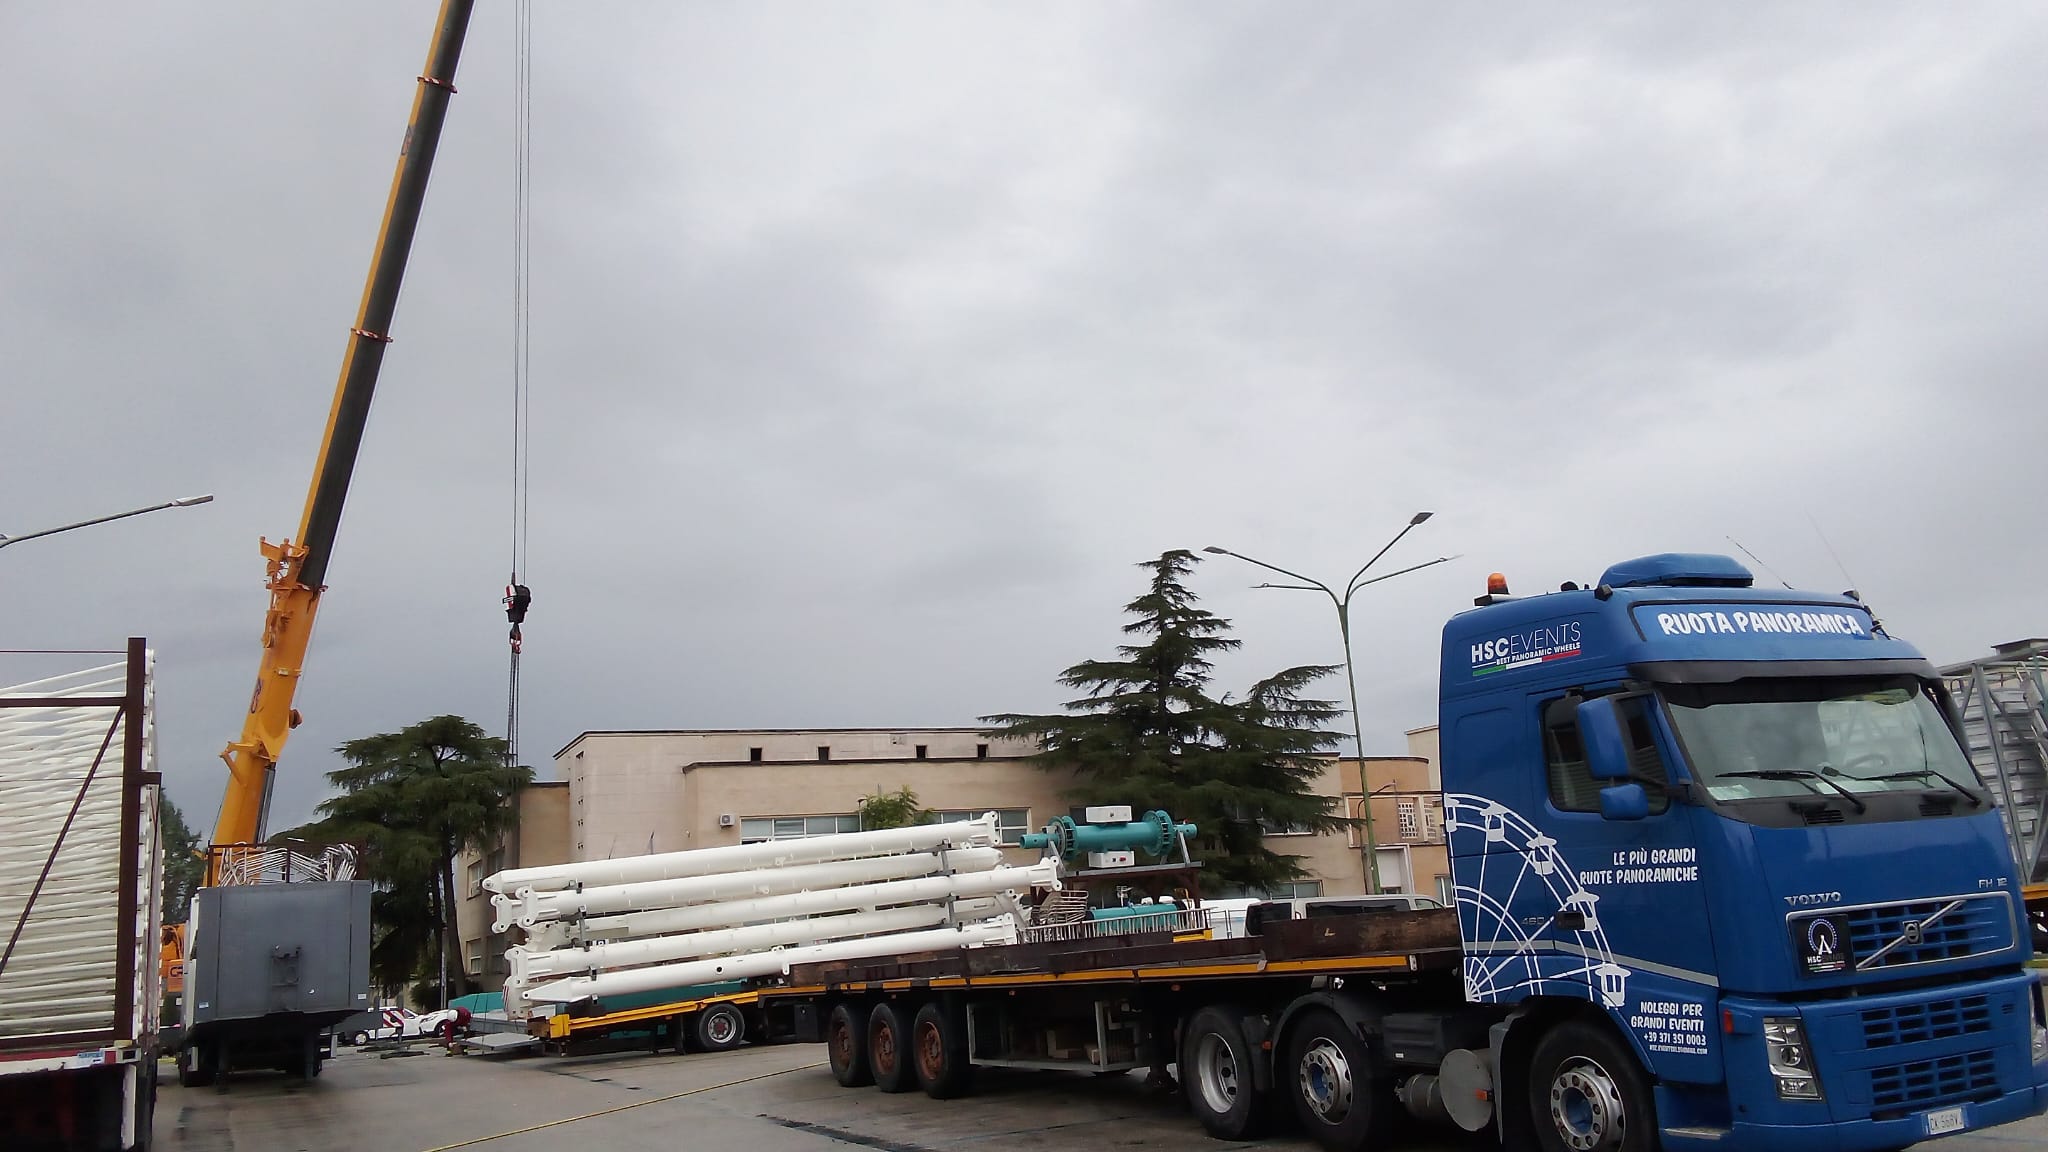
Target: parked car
398 1023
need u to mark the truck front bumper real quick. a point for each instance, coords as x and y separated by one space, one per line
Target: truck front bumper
1859 1135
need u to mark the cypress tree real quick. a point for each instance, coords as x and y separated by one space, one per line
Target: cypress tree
1149 734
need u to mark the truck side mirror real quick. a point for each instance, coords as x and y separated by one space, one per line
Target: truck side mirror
1624 802
1601 733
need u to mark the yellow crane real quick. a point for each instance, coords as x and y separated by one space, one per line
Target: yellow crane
297 566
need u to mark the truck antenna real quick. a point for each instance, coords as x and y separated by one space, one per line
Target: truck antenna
1875 624
1760 563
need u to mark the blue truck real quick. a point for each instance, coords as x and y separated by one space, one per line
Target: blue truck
1724 876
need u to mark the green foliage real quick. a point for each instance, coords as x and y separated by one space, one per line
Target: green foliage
414 799
898 809
1149 734
184 863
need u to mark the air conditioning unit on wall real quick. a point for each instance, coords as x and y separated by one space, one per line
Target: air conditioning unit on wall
727 820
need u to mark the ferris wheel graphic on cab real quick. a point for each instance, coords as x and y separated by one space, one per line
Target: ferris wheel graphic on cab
1529 927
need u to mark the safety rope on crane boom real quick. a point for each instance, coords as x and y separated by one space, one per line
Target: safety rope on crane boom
517 595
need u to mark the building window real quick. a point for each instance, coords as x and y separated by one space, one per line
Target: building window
1446 892
754 755
923 752
1272 828
476 877
762 829
1410 817
1572 786
1011 823
981 751
1298 890
824 751
473 957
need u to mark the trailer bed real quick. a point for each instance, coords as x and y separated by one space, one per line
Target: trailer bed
1376 944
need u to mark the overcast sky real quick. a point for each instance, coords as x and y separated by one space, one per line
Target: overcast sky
873 344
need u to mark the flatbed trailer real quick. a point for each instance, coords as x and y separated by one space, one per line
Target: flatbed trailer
1376 997
701 1024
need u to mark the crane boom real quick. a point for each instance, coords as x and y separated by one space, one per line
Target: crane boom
297 569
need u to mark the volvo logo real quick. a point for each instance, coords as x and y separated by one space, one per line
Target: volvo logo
1912 932
1813 899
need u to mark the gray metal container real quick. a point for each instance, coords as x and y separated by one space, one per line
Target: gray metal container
268 949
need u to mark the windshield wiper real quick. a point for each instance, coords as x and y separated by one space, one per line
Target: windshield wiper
1975 800
1799 774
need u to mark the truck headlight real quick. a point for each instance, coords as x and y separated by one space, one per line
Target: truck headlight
1790 1059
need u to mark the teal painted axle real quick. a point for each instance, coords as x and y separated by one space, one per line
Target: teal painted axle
1154 836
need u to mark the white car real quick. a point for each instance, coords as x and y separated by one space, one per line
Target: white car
396 1024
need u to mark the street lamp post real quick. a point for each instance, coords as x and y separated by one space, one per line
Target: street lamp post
182 502
1343 605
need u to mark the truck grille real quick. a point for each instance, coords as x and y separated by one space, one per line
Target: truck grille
1934 1020
1898 1088
1977 925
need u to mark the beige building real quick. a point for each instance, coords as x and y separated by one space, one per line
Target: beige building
629 793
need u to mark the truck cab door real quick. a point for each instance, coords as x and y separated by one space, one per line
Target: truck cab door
1574 903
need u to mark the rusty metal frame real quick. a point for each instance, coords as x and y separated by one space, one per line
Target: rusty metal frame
135 776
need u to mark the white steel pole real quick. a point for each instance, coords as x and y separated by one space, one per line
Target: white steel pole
818 901
979 832
769 963
537 908
532 965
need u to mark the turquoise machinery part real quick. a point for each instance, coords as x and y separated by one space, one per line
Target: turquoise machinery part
1154 835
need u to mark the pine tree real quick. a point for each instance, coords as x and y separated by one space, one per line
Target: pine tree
1149 734
417 797
184 860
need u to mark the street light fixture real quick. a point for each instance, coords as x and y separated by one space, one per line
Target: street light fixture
181 502
1343 605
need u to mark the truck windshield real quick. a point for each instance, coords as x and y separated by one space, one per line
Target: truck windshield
1791 738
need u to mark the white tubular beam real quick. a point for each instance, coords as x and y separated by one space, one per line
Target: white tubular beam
822 901
980 832
768 963
529 910
532 966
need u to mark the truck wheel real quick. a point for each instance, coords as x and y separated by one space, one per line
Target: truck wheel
720 1028
1342 1101
939 1043
846 1046
1216 1073
889 1049
1586 1093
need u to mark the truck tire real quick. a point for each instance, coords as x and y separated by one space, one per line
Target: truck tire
1335 1084
1587 1093
938 1043
1216 1074
720 1028
846 1047
889 1049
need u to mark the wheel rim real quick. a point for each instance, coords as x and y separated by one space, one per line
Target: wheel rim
1326 1081
885 1050
931 1050
842 1044
720 1028
1586 1107
1216 1073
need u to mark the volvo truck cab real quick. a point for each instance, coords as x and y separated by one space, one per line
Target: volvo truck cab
1735 829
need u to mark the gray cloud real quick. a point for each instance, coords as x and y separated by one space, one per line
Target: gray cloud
873 345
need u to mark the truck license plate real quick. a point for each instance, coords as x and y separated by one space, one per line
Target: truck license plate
1945 1121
